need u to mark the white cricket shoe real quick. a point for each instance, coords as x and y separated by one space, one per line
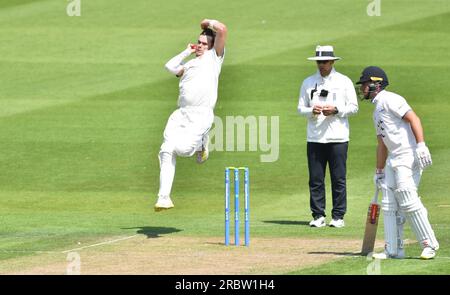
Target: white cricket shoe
163 203
318 222
203 154
337 223
385 255
428 253
382 256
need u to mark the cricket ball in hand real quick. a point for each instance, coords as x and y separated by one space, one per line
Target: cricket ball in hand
193 46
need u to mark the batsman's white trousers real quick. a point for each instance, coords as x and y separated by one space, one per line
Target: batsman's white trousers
402 178
183 136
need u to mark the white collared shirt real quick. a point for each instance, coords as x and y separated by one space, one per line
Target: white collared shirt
341 93
390 108
199 82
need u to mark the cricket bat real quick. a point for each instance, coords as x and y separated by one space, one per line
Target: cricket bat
370 233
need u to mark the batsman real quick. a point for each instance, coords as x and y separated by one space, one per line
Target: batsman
187 128
402 155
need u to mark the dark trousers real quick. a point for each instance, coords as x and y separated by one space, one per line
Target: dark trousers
335 154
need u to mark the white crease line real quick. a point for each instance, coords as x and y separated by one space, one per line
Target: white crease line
99 244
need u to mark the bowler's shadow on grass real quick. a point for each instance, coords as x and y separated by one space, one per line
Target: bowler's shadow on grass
287 222
154 231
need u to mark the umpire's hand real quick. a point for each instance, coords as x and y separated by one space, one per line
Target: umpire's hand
329 110
317 109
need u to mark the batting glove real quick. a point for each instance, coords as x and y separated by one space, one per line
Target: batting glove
378 178
423 155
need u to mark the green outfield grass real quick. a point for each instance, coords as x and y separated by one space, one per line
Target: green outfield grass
84 101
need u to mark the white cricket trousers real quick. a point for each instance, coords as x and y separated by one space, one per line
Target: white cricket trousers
183 136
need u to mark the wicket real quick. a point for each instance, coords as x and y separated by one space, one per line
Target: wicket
236 205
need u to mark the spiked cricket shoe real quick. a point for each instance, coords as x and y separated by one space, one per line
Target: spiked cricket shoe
428 253
203 154
163 203
385 255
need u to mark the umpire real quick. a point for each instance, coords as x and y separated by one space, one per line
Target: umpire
327 98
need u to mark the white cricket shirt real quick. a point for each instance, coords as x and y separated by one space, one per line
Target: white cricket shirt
389 124
200 80
341 93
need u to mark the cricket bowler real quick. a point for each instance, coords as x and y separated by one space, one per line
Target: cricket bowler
187 128
401 157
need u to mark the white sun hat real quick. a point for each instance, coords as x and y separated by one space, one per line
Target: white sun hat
324 53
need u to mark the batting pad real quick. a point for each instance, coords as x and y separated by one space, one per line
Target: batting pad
401 219
389 202
390 232
417 216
